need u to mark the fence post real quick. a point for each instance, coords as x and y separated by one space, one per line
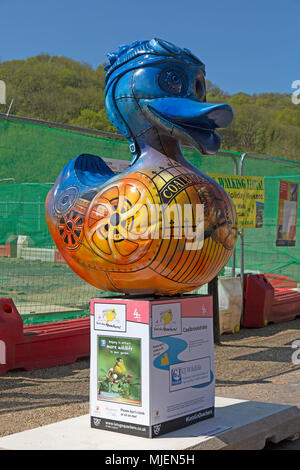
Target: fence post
213 291
2 92
234 251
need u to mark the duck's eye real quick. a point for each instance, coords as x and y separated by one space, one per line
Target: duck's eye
173 81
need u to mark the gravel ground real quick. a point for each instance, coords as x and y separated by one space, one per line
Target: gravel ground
253 364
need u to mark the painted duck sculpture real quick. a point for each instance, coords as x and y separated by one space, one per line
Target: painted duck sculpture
111 228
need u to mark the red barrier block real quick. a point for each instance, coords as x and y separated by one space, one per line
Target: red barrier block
37 347
281 281
265 304
286 305
58 258
11 333
5 249
259 297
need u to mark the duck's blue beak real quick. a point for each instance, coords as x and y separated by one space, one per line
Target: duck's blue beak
191 120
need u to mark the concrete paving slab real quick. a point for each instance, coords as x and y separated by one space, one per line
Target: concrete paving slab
238 424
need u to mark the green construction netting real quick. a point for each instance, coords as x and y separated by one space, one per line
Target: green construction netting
32 155
22 213
36 153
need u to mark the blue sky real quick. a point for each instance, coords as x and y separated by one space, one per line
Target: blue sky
250 45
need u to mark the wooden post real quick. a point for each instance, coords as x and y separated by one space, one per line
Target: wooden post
213 291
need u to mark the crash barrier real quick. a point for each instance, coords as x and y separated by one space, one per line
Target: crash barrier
265 303
45 345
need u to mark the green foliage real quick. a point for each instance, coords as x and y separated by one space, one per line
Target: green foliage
266 123
93 120
55 89
62 90
124 385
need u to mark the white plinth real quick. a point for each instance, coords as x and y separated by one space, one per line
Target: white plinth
238 424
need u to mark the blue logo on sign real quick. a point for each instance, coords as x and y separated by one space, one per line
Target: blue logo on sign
176 376
103 343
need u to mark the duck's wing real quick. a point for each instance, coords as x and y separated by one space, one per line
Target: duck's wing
83 173
91 170
81 178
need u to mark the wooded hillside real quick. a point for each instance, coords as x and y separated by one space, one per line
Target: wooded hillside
62 90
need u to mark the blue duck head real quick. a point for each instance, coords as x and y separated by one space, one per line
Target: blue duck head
155 85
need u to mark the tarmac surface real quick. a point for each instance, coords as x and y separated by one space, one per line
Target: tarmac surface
254 364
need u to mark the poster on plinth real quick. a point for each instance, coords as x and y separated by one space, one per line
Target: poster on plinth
119 369
287 213
248 196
